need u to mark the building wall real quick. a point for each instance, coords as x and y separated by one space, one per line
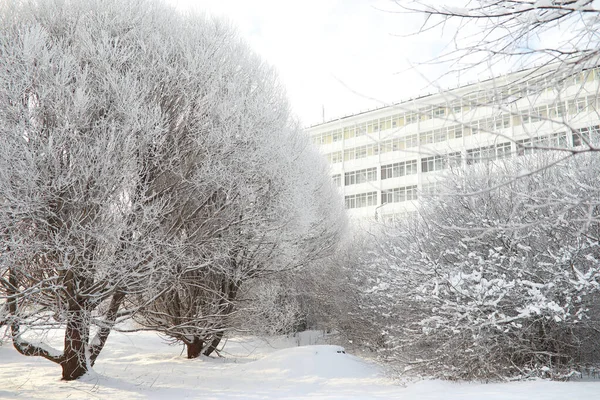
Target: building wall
383 159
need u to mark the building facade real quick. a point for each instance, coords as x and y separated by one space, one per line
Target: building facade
383 159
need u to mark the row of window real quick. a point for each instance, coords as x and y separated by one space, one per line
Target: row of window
440 162
462 104
360 176
370 174
396 195
582 136
399 169
355 153
475 155
433 136
435 163
558 110
441 134
488 153
488 124
531 145
361 200
398 144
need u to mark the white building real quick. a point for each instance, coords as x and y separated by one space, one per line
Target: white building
382 159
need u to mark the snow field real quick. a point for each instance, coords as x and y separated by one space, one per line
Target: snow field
142 366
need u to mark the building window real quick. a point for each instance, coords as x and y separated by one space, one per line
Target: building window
385 146
399 169
490 124
557 110
558 139
585 136
489 153
439 112
385 123
361 129
398 195
577 105
360 176
361 152
454 159
373 126
337 135
524 147
349 132
455 131
438 163
503 150
411 141
473 156
354 153
501 122
397 120
336 157
349 154
440 135
426 137
428 164
361 200
411 118
337 180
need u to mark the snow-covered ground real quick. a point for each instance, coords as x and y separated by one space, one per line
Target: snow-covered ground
141 366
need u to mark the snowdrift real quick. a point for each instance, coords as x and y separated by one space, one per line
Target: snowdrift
324 361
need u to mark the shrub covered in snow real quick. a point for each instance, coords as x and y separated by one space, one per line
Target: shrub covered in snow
492 283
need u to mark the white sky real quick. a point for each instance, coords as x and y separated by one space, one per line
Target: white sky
345 56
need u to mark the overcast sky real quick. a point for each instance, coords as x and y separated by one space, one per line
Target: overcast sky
343 56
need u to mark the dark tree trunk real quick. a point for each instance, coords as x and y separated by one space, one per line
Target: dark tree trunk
230 289
111 317
75 363
194 348
213 344
73 360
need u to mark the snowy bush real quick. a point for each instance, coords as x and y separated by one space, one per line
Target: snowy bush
493 283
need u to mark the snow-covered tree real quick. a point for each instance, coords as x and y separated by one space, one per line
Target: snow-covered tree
139 148
294 217
503 282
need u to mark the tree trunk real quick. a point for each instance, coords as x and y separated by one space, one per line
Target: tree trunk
194 348
213 344
230 288
75 363
111 317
